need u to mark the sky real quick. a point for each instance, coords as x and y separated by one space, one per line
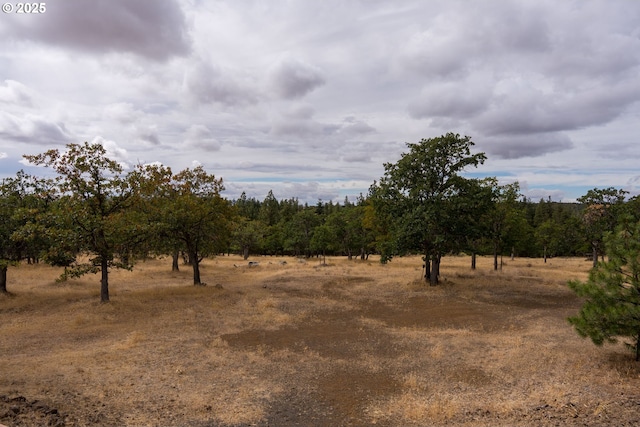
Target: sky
310 98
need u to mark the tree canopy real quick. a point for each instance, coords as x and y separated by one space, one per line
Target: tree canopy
96 204
424 192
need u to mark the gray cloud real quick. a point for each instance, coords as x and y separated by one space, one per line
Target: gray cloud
206 84
526 109
149 137
199 136
452 100
32 129
351 126
291 128
299 123
292 79
154 30
543 73
281 168
517 146
121 112
455 41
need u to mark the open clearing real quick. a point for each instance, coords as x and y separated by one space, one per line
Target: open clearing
352 343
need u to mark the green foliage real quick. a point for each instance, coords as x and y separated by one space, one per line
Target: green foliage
248 235
600 214
548 235
95 212
323 239
503 222
425 197
346 224
299 231
612 292
23 199
189 213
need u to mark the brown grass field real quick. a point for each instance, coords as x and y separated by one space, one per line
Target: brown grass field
352 343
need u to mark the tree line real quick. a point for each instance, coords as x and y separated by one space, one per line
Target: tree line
93 216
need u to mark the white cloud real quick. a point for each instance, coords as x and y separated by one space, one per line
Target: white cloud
113 151
121 112
13 92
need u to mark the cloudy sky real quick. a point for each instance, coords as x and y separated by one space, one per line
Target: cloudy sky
310 98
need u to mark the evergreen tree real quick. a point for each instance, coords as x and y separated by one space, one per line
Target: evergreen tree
612 292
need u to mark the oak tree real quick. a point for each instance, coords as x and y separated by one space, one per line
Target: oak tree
424 193
193 215
95 200
600 215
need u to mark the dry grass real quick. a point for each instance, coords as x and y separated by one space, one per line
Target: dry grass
301 344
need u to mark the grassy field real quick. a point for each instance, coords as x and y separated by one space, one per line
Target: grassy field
352 343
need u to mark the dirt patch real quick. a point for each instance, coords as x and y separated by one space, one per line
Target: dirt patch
20 411
350 344
425 312
338 398
338 335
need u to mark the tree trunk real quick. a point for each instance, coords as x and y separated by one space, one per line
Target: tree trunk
594 248
638 348
544 250
513 253
104 283
245 252
3 279
427 266
174 263
195 262
435 271
495 257
473 260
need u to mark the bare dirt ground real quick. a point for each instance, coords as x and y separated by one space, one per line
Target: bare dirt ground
348 344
